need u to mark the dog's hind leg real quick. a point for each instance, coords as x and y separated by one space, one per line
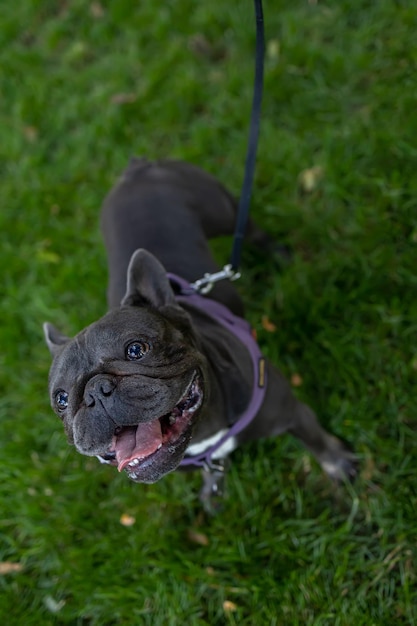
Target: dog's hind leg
208 198
333 455
282 413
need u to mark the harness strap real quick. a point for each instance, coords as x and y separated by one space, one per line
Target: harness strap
242 330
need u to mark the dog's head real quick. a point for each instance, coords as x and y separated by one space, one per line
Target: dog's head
129 387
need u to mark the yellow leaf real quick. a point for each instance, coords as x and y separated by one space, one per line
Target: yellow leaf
127 520
273 49
310 178
229 606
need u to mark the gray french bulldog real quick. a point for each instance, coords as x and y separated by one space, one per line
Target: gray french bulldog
159 380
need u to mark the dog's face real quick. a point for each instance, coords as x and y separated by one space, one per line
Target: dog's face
129 388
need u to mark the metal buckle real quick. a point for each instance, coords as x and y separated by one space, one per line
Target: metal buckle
205 284
214 466
214 483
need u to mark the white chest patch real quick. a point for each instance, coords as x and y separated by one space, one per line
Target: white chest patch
226 448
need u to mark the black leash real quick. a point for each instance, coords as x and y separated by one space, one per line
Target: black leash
231 271
245 196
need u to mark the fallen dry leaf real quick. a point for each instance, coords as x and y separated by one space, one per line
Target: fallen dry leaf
273 49
296 380
268 325
123 98
96 10
229 606
127 520
369 468
310 178
31 133
201 46
7 567
197 537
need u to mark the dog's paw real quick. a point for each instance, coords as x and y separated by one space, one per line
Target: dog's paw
343 468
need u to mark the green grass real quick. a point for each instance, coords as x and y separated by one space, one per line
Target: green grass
340 94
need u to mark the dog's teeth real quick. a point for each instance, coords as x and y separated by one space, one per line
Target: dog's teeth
133 462
159 447
172 419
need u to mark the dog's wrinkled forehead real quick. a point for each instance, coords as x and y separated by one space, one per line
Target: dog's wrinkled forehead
106 339
122 325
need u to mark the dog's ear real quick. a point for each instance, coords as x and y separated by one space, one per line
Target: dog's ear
147 282
55 340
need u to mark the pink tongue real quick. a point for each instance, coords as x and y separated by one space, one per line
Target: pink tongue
137 442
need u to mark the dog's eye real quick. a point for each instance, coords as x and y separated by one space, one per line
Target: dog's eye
136 350
61 400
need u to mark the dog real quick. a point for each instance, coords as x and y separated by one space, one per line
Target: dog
159 379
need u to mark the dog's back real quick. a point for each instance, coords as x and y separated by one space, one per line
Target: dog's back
169 208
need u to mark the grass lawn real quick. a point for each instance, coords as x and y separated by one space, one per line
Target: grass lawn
84 85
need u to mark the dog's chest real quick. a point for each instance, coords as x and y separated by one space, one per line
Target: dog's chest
223 451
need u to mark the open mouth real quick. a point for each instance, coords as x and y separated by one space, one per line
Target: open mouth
133 446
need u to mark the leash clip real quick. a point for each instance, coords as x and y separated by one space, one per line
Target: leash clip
205 284
214 467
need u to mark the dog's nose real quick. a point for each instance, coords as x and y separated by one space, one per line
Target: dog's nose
107 387
97 389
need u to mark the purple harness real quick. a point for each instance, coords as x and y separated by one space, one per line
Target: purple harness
242 330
